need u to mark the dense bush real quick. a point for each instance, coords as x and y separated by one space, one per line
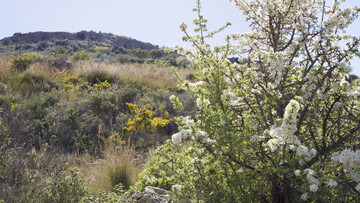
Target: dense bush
59 51
283 126
81 56
156 53
38 176
98 76
32 82
21 63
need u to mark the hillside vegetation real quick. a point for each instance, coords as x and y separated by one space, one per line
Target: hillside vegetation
74 126
281 123
83 45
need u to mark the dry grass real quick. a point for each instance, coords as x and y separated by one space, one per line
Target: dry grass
119 164
41 67
151 75
5 69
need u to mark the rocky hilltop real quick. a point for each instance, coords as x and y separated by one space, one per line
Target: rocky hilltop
114 40
85 40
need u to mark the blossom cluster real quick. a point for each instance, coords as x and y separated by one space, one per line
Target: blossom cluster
314 183
284 134
177 138
350 161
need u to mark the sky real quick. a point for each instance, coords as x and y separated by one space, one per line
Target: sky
154 21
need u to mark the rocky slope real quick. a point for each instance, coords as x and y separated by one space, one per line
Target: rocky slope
84 40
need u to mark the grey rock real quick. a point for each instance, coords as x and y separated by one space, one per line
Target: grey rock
152 195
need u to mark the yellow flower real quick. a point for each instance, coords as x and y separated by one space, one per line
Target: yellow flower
14 106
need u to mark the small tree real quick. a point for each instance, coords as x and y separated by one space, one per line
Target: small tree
281 126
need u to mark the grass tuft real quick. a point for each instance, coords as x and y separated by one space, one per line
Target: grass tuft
117 166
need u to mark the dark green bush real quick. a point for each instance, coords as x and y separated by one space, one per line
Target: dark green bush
59 51
119 50
156 53
99 76
81 56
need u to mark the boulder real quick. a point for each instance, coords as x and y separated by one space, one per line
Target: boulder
152 195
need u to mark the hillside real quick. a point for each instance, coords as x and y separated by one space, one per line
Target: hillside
94 42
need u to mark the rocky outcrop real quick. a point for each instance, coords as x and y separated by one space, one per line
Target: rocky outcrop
114 40
152 195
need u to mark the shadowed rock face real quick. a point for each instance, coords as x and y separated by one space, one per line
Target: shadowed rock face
114 40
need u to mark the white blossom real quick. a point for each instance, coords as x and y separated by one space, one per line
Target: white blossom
176 189
349 159
358 187
332 183
177 138
201 134
201 102
272 144
255 91
183 26
313 188
297 172
305 196
310 171
301 150
188 121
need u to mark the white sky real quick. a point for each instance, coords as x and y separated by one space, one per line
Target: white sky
154 21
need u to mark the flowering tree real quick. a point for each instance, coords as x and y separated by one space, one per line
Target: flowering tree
283 125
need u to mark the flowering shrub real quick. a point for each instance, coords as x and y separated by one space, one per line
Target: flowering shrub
281 126
102 85
143 119
21 63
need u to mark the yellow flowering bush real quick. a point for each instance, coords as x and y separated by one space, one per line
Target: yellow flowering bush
102 86
143 119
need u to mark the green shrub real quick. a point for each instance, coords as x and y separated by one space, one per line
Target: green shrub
156 53
162 62
59 51
39 176
32 82
99 76
21 63
183 62
138 53
81 56
172 58
66 186
7 100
